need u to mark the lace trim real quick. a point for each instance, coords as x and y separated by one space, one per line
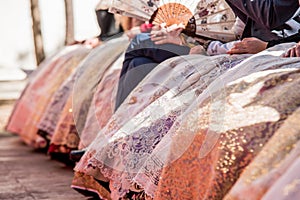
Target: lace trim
129 150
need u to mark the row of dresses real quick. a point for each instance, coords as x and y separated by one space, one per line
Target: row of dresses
59 94
30 108
196 127
194 124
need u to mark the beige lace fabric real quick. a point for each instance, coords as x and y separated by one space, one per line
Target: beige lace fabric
180 134
93 79
103 103
171 87
98 63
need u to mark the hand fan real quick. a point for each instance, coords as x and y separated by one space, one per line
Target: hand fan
201 18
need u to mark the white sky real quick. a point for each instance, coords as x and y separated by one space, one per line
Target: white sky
16 36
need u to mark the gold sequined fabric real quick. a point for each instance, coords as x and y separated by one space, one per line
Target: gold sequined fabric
255 108
235 109
274 173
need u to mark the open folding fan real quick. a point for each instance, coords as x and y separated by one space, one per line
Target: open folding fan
205 18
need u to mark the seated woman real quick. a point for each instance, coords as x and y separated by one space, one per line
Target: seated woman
255 45
171 94
45 88
126 142
149 50
65 118
41 86
224 130
142 55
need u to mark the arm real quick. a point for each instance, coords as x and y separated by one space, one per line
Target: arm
143 46
161 36
255 45
217 47
292 38
248 45
269 13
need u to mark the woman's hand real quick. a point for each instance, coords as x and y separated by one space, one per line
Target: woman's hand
133 32
162 36
197 50
248 45
92 42
293 52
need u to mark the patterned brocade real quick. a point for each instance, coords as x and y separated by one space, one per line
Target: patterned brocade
211 176
191 128
38 93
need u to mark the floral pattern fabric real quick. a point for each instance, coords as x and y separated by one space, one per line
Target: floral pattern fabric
32 104
147 133
210 122
68 131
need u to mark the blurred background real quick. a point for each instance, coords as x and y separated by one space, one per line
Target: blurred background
32 30
16 36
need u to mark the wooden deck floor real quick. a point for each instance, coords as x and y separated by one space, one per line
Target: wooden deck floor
30 175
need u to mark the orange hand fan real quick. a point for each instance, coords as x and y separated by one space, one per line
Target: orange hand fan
205 18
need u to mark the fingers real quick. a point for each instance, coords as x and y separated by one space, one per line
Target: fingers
161 42
157 34
166 39
160 39
239 45
156 28
287 53
238 48
293 52
236 51
249 39
178 31
173 33
157 38
297 50
197 50
163 37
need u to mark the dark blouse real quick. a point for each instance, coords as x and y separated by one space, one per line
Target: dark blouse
263 16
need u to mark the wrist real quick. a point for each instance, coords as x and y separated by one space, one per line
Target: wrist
205 44
182 40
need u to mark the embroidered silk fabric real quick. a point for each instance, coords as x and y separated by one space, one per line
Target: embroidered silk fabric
37 95
218 153
102 106
129 154
221 133
44 68
54 109
66 134
65 137
274 173
124 143
98 62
